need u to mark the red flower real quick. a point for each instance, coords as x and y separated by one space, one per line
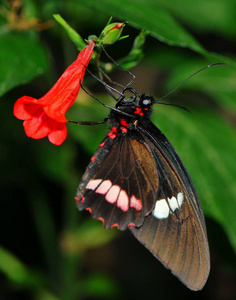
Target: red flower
46 116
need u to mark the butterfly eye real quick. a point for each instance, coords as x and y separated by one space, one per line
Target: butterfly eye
146 102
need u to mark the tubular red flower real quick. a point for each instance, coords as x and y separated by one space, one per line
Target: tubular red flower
46 116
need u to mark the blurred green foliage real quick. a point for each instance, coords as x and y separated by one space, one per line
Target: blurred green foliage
50 250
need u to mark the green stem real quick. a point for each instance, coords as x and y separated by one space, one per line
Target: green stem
73 35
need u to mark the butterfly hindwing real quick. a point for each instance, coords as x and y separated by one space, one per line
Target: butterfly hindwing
175 230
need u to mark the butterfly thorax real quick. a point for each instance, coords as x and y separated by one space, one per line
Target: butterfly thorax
130 113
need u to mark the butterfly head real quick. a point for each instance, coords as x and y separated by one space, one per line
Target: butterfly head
135 100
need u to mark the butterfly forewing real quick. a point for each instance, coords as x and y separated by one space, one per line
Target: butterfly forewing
120 189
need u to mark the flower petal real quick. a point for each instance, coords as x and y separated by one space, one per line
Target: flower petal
25 107
63 94
58 135
36 129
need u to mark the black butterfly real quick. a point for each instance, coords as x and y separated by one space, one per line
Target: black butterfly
136 180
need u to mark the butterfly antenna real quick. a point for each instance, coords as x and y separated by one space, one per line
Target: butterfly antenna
209 66
122 68
176 105
109 78
107 86
103 74
103 104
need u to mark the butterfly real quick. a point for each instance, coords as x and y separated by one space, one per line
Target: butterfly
136 180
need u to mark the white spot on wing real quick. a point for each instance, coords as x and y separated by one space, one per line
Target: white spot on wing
93 183
173 203
123 201
162 209
113 193
180 199
104 187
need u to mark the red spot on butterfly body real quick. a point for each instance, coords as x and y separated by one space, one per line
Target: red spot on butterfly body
138 111
93 158
123 129
102 144
124 122
114 130
113 133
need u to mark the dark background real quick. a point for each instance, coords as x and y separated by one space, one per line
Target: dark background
49 250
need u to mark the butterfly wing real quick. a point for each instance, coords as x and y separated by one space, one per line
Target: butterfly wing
175 231
119 186
137 179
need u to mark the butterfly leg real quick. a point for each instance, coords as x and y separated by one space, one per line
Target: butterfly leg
89 122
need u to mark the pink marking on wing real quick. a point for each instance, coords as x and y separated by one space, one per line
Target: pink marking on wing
104 187
131 225
123 201
89 210
77 200
93 183
101 219
113 193
135 203
115 225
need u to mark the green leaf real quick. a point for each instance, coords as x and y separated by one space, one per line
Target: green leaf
147 15
73 35
199 16
21 59
88 235
100 287
217 82
16 271
207 146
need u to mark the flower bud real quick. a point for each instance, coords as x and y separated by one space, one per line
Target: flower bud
111 33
